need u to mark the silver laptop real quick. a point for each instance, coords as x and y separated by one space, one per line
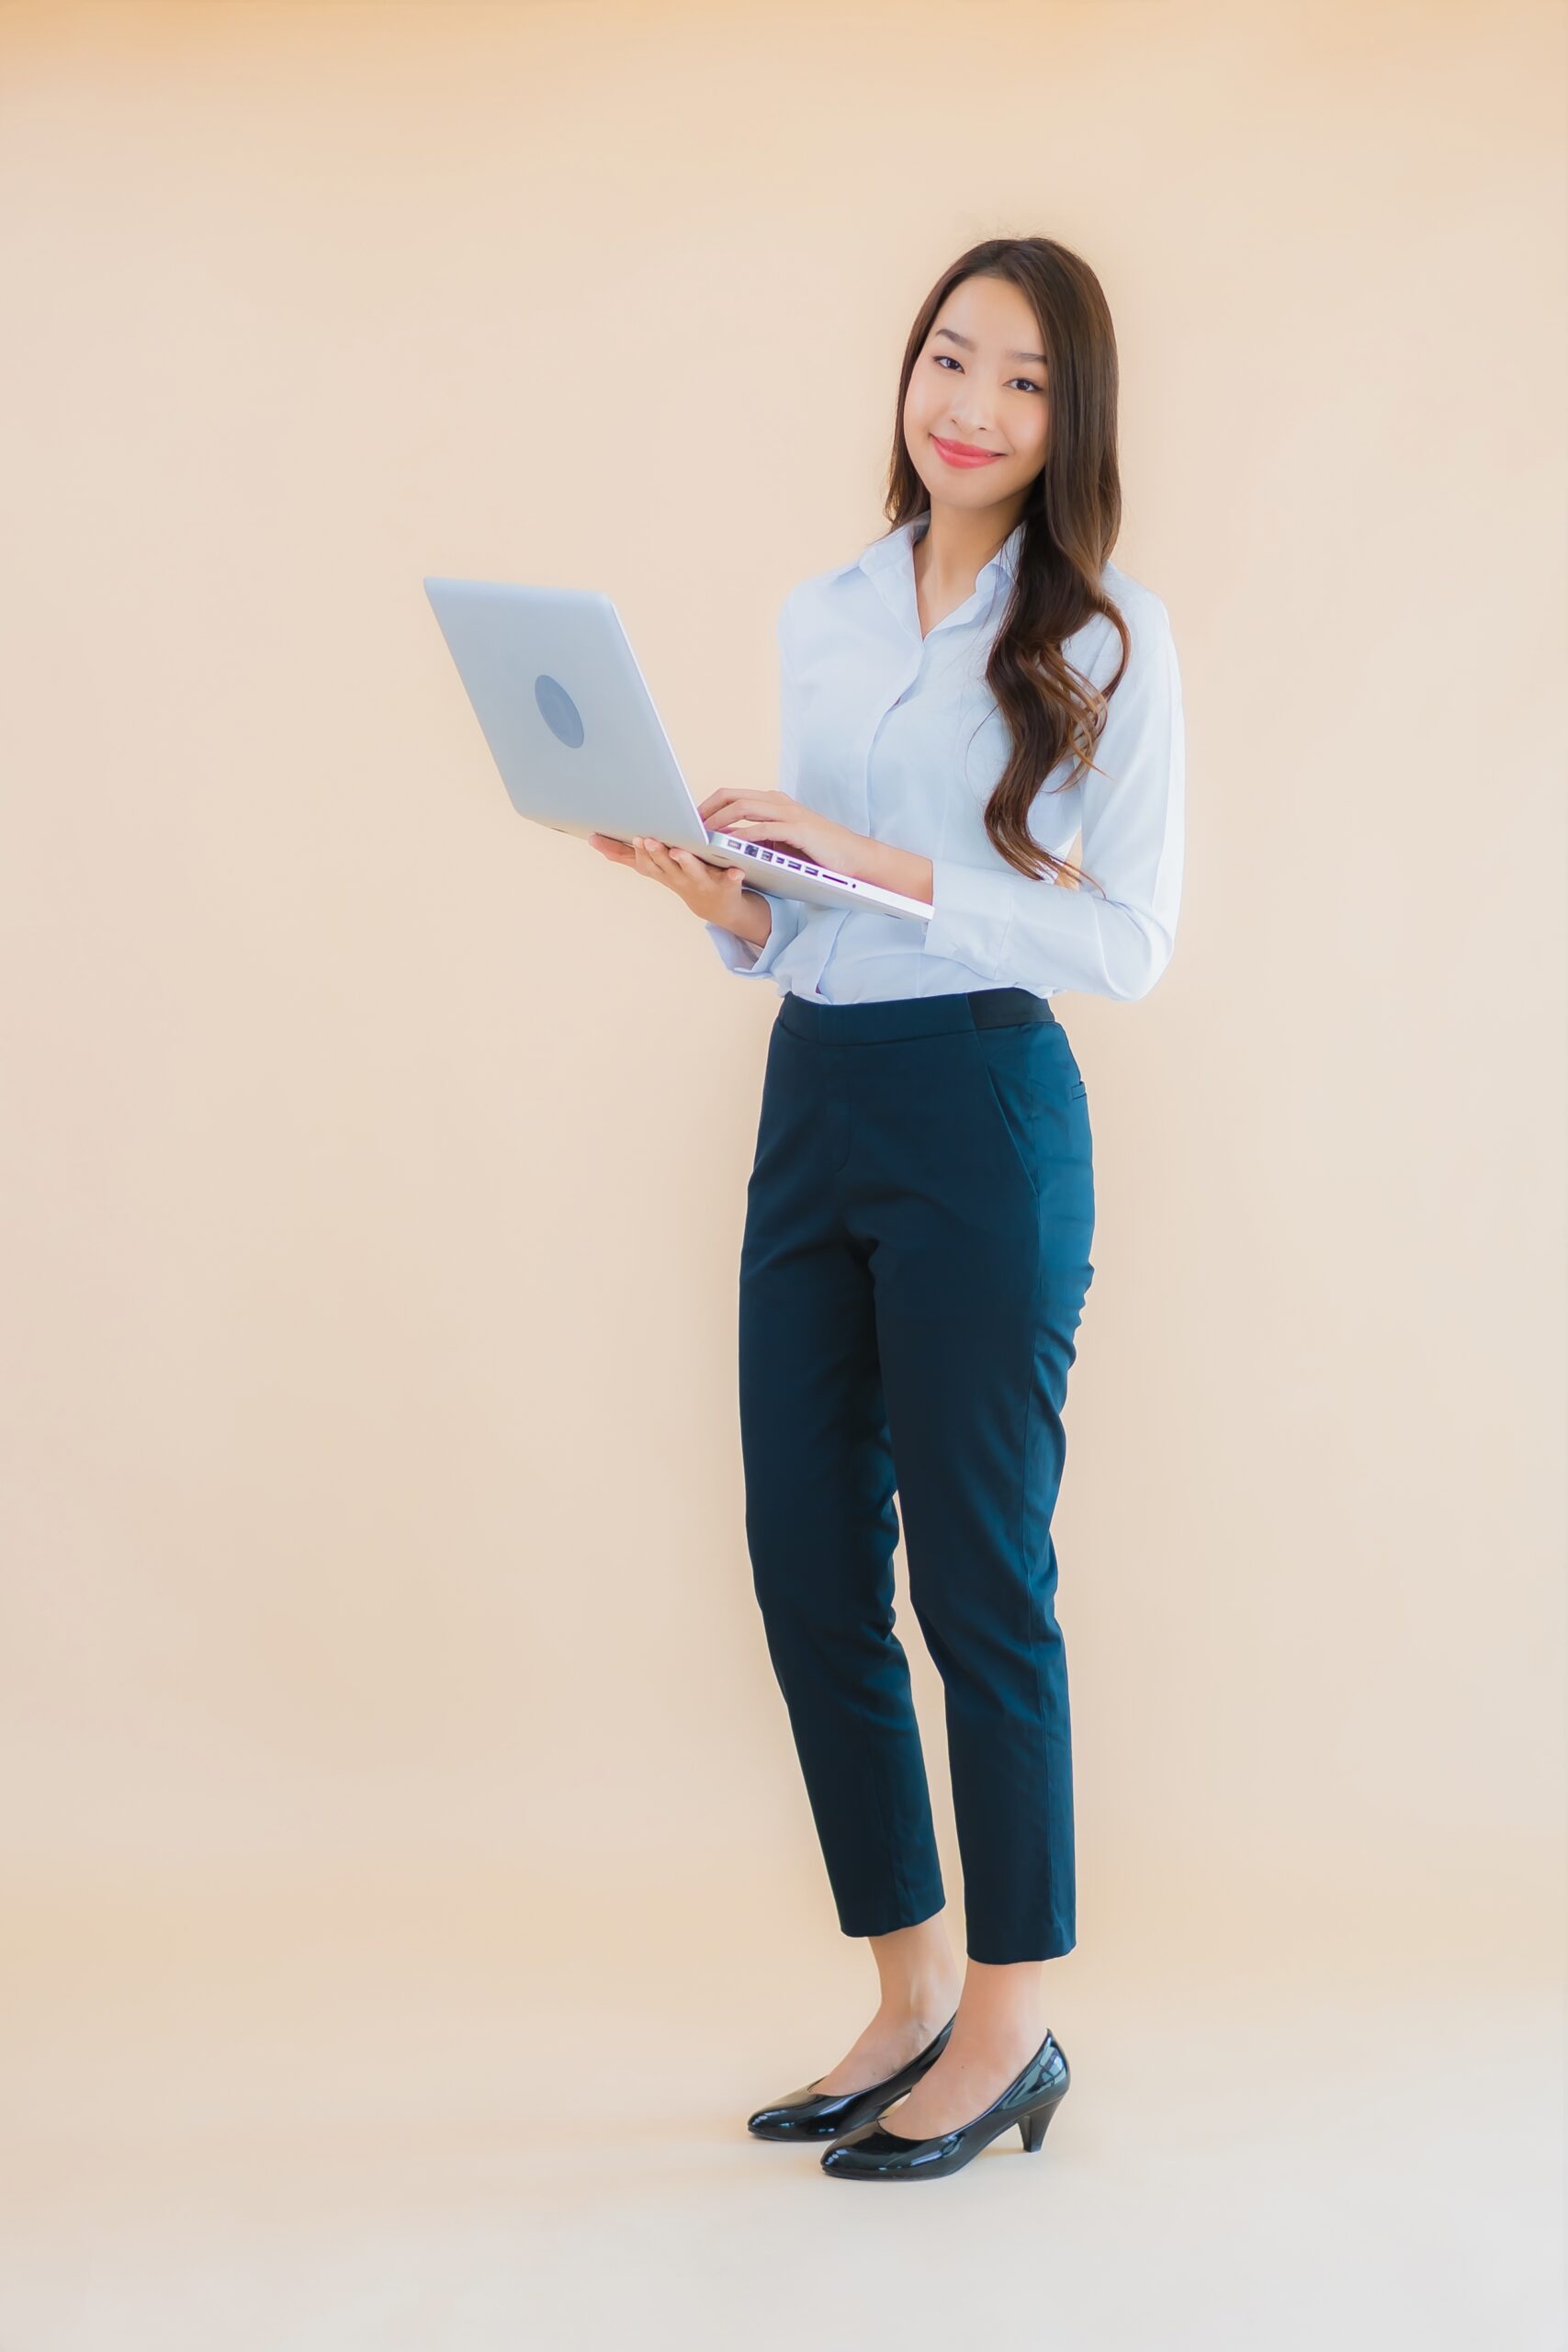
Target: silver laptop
571 726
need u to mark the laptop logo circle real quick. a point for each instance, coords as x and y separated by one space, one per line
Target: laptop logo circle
558 711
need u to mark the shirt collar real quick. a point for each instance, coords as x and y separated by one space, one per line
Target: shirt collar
888 563
897 547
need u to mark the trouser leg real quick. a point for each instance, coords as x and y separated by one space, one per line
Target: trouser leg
980 1202
821 1522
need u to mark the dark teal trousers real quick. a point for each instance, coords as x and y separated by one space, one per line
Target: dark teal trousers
914 1267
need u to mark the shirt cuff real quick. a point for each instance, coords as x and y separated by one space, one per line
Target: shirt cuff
971 917
749 962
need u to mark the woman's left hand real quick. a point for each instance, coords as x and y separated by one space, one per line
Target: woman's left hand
780 822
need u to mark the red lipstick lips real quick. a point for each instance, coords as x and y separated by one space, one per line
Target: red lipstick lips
964 453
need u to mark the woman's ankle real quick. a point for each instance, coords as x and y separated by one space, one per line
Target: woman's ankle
920 1973
928 2004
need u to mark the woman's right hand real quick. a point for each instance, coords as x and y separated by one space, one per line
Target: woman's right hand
712 892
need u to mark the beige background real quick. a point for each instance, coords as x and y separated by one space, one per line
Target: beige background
409 1884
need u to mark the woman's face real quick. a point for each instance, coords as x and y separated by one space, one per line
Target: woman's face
979 382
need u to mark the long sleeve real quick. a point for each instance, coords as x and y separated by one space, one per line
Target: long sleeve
1017 932
740 956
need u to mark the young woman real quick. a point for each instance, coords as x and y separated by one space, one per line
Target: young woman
975 691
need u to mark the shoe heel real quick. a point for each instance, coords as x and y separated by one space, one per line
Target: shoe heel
1033 2125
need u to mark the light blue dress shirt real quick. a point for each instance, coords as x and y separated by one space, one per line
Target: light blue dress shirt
900 738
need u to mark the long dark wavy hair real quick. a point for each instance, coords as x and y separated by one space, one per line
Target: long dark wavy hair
1071 521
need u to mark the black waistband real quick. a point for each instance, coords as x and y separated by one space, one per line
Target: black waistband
917 1016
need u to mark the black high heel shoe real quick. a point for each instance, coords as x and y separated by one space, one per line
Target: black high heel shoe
1030 2100
810 2114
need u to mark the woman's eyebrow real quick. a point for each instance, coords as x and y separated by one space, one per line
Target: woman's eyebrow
951 332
